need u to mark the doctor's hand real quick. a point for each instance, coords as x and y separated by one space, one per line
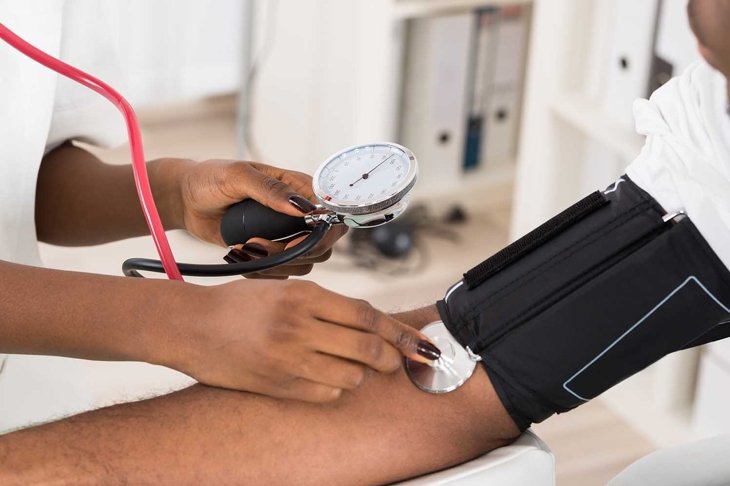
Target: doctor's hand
204 190
290 339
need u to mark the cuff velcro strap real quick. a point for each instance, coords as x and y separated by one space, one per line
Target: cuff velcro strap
534 239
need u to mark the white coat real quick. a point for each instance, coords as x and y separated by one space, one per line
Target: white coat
38 111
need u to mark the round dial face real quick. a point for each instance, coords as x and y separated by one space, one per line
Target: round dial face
365 178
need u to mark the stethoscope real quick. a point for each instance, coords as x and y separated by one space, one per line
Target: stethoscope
361 186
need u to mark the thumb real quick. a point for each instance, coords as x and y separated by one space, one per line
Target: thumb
273 192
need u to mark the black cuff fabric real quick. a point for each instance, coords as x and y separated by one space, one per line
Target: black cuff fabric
612 288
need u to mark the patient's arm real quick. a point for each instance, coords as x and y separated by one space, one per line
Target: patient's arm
384 431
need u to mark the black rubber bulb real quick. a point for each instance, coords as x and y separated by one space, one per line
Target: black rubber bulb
249 219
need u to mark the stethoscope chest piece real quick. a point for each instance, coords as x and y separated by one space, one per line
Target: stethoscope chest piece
449 372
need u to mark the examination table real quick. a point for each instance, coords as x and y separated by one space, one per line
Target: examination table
527 461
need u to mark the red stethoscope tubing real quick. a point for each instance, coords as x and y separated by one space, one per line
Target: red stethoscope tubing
139 168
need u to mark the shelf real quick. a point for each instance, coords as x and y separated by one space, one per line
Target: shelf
476 191
408 9
583 114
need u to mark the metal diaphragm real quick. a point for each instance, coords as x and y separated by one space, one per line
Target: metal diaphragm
450 371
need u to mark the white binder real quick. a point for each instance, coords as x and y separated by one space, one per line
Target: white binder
502 126
435 96
622 66
503 104
627 69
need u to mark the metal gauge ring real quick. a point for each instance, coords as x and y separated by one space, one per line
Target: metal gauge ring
450 371
367 185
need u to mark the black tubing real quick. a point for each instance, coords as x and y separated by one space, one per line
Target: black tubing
132 266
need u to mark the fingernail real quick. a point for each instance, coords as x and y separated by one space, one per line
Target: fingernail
255 250
302 203
236 256
428 350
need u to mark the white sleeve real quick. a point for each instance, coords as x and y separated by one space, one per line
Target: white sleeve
685 162
89 43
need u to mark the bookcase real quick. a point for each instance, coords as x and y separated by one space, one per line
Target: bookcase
333 76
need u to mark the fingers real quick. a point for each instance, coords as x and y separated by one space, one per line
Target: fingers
306 391
248 181
299 181
325 246
362 347
259 247
288 271
331 371
359 314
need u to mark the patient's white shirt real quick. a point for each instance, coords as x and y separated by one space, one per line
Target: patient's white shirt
685 162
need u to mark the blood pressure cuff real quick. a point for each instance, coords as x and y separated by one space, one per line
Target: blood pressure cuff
589 298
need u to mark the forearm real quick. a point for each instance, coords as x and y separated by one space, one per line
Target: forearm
84 315
80 200
382 432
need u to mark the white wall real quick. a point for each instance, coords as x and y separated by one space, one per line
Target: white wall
328 81
174 50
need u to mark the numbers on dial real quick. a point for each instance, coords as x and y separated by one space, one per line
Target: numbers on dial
365 176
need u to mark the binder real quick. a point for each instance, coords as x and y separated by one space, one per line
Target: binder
624 78
627 73
483 60
502 127
434 96
503 103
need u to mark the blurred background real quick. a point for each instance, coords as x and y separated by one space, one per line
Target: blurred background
515 109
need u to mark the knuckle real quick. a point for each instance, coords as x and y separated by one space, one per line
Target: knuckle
272 185
392 361
285 386
368 316
283 331
371 349
330 395
308 289
270 368
316 393
405 340
292 292
354 378
234 170
228 176
306 368
300 176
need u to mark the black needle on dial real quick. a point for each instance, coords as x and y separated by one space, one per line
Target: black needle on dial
367 174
